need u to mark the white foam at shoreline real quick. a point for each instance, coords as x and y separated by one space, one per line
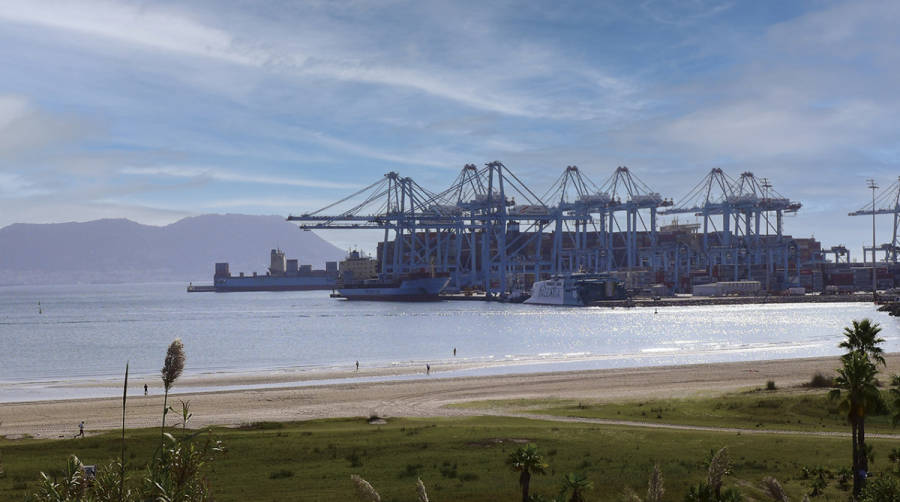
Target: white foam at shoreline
221 381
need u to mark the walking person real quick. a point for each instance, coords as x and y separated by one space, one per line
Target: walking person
357 366
80 429
454 351
427 369
145 389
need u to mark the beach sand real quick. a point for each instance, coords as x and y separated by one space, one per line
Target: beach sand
419 397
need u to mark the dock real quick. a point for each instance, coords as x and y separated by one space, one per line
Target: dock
204 288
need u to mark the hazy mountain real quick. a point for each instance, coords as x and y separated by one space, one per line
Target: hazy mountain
116 250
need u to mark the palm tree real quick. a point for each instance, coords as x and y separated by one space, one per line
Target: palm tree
576 483
863 337
527 461
861 397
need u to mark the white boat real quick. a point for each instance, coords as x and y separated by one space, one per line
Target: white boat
576 290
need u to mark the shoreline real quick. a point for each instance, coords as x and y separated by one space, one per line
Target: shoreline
414 397
80 388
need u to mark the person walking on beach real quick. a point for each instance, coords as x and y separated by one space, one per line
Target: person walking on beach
454 351
80 429
145 389
357 366
427 369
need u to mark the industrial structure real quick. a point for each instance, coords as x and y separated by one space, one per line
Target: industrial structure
490 231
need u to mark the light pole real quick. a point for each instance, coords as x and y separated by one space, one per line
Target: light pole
873 186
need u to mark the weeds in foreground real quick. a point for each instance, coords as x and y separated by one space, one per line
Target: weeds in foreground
176 472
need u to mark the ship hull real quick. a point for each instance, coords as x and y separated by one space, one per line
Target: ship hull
270 283
422 289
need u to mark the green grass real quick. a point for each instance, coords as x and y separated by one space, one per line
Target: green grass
460 459
789 409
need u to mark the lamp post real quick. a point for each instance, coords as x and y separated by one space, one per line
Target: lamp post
873 186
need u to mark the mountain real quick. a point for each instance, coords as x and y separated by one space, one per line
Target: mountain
120 250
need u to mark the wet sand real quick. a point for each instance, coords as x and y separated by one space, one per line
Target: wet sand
419 397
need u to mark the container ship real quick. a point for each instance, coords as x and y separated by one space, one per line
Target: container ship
418 287
287 275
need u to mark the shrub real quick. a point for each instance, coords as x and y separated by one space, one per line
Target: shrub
881 489
283 473
819 380
770 385
260 426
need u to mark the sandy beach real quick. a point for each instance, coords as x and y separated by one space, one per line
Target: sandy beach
419 397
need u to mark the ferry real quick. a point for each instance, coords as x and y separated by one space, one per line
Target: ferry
576 290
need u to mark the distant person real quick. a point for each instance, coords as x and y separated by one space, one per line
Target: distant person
427 369
145 389
357 366
454 351
80 429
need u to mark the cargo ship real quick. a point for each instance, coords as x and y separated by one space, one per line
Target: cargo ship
576 290
413 287
287 275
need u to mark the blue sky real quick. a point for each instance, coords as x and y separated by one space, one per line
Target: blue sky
159 110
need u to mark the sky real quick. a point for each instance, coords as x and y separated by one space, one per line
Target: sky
158 110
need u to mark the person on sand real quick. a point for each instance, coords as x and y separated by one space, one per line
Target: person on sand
145 389
357 366
427 369
80 429
454 351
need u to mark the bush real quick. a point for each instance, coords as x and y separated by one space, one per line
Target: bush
260 426
881 489
770 385
283 473
819 380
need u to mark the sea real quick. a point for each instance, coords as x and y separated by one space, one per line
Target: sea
53 337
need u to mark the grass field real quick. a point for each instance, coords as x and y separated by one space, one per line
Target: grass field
797 409
459 459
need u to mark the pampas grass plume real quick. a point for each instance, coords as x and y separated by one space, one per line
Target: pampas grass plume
364 491
655 488
174 363
774 489
420 491
719 467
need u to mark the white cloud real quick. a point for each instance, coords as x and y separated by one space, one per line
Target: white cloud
683 12
485 73
143 26
39 211
230 176
296 205
770 126
24 128
818 86
15 186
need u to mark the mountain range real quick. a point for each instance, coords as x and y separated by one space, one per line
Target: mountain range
121 250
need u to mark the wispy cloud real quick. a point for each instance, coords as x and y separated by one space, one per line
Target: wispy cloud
232 177
16 186
683 12
131 24
208 105
482 82
24 127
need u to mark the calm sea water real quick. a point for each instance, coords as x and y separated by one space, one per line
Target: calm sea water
90 331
